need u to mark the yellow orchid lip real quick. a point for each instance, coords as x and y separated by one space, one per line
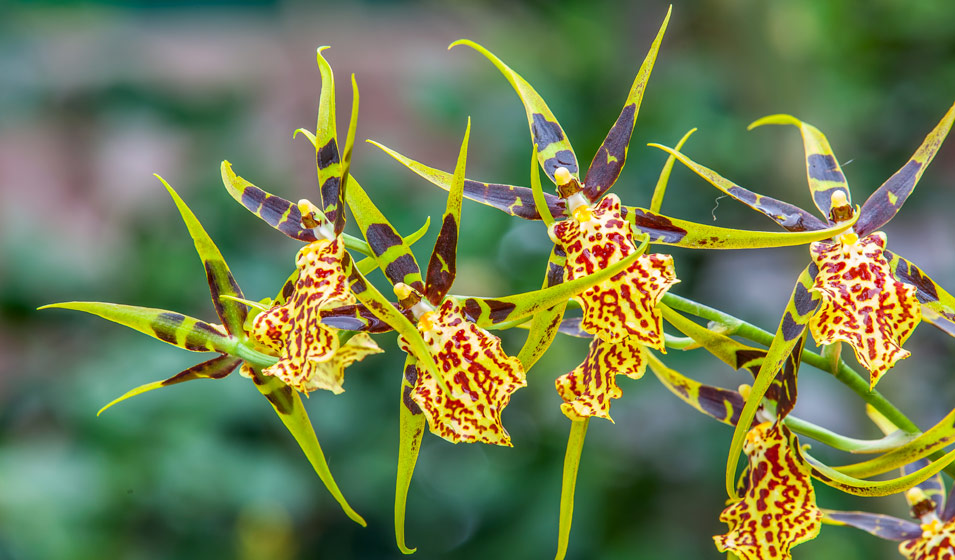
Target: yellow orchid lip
480 378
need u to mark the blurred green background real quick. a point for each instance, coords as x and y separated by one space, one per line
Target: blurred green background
95 97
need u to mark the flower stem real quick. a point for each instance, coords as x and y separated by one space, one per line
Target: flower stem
845 374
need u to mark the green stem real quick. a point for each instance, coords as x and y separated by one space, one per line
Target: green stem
843 443
845 374
254 357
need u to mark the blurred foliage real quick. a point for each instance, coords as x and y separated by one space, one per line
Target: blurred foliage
95 97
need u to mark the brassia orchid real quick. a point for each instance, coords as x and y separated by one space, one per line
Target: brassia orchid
931 536
234 343
854 290
457 378
597 231
464 380
773 507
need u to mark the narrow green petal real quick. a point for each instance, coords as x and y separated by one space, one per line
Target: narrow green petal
380 307
273 210
545 324
610 158
793 218
885 202
868 488
680 233
822 169
392 253
288 405
327 157
411 423
722 404
442 267
540 202
554 147
515 201
168 326
221 283
660 190
790 335
935 438
216 368
346 158
575 444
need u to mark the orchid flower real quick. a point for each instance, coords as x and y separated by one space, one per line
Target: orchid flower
854 290
312 355
230 339
931 537
598 230
868 296
773 507
457 377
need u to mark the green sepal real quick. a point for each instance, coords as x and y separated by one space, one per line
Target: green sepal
510 199
790 217
274 210
545 324
887 200
393 255
869 488
722 404
380 307
411 423
656 202
740 356
789 336
346 156
822 169
442 265
168 326
216 368
681 233
288 405
221 283
935 438
611 156
554 147
575 444
540 202
487 312
328 159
